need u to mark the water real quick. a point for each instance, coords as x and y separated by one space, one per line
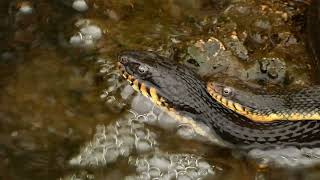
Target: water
66 113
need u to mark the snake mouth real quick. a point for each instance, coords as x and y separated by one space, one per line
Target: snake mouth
124 73
141 87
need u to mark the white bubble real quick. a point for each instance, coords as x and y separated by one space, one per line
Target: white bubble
75 40
142 165
172 166
186 132
91 31
204 165
183 177
143 146
127 140
141 104
151 118
287 157
166 121
125 150
169 176
192 172
111 155
26 9
126 92
80 5
88 42
154 172
156 110
140 133
162 163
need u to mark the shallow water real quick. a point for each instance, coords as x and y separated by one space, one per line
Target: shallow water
66 113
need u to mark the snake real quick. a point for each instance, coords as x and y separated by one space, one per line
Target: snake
180 91
300 105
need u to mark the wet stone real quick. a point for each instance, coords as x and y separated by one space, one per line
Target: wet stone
268 70
212 58
237 47
204 51
262 24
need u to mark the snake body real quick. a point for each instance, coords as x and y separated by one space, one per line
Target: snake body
179 90
294 106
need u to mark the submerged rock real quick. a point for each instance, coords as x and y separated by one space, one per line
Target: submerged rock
212 58
237 47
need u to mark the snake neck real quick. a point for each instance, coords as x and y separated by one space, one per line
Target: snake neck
295 106
246 134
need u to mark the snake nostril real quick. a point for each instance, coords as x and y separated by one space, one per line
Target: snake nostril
123 60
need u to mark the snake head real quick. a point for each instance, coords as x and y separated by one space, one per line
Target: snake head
165 81
137 64
147 72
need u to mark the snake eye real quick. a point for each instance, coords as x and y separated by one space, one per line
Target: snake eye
227 91
142 69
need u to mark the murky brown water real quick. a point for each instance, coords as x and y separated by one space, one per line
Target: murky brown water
58 80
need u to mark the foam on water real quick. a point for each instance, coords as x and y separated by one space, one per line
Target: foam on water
287 157
119 139
171 166
129 135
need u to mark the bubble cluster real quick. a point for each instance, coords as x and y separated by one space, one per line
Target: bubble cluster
119 139
287 157
171 166
113 83
87 36
82 175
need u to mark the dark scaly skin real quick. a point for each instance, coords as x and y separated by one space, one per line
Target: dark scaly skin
300 105
186 93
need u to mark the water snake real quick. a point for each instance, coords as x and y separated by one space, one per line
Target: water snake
179 90
300 105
